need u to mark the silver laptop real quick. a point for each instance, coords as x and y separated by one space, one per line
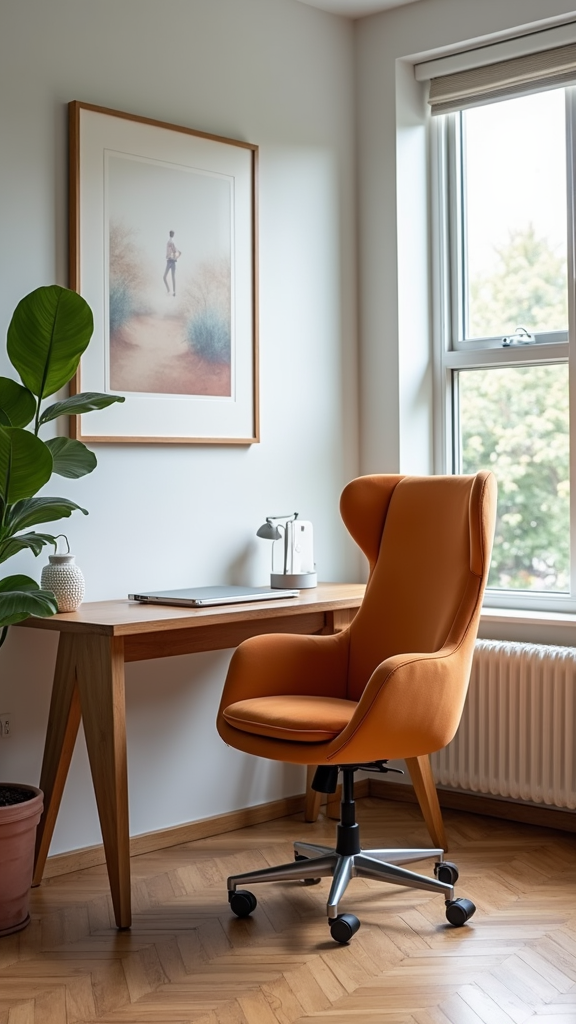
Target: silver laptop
200 597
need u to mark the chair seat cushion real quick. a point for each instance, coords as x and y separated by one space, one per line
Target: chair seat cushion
299 718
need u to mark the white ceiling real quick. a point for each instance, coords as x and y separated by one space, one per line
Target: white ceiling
355 8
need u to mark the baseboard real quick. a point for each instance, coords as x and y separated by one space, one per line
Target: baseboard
474 803
148 842
477 803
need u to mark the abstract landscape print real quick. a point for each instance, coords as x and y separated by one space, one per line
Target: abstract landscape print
169 277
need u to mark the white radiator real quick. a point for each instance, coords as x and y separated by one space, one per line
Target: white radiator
517 736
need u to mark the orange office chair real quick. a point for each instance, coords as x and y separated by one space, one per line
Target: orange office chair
392 685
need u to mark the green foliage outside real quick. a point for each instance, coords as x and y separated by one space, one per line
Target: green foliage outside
514 420
528 287
50 329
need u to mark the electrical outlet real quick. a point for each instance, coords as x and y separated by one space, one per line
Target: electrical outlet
5 726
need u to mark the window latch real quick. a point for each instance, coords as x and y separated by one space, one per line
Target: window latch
521 336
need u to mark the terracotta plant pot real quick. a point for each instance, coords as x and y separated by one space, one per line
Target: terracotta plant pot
18 823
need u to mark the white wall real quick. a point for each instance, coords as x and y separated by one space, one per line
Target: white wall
394 270
279 74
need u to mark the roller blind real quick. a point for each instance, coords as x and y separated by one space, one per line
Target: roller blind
514 77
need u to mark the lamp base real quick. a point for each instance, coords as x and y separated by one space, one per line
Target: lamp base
293 580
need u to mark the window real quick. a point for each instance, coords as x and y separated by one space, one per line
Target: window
504 241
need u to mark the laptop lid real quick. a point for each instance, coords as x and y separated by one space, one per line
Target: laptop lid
200 597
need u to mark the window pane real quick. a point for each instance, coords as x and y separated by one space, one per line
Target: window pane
514 421
515 216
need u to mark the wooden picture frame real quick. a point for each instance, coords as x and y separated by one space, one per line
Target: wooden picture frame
163 246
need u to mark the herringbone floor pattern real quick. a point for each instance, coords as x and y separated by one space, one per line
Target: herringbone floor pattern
188 959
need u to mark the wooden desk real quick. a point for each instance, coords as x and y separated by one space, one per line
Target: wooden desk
95 643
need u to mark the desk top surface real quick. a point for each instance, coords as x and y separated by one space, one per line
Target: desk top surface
126 618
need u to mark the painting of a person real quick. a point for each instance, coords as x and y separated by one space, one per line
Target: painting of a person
173 338
172 254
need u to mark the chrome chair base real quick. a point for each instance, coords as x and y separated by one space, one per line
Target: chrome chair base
325 862
348 860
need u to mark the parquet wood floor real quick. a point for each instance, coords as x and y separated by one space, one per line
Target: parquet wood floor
188 959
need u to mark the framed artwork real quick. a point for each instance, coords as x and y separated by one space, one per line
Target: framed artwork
163 246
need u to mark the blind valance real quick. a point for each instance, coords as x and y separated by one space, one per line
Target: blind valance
515 77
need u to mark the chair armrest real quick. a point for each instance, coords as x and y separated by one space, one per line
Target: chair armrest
411 706
282 663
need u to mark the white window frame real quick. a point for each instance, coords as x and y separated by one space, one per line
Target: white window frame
451 354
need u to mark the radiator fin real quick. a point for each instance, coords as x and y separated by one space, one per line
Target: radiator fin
517 734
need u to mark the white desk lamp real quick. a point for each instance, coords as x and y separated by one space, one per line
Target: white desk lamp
299 571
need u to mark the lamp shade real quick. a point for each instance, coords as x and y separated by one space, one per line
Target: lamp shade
268 531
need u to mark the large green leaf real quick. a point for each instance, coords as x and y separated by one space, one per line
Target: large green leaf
25 464
26 541
32 511
71 458
50 329
18 582
17 402
20 597
87 401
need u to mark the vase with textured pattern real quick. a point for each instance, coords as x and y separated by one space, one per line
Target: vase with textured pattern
64 578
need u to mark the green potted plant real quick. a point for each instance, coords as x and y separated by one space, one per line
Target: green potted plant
50 329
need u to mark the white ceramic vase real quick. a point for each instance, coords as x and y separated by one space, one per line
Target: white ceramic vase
65 579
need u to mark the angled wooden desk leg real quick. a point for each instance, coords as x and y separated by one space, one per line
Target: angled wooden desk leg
102 700
63 722
425 789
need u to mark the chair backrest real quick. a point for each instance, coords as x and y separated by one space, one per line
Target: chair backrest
428 542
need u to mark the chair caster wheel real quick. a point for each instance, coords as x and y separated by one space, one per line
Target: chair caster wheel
307 881
343 927
242 902
458 912
446 871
